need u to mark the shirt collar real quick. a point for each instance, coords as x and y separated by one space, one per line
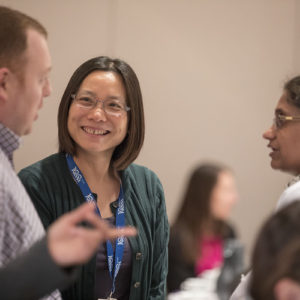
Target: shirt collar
9 141
293 180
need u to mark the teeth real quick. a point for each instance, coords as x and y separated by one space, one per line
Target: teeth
95 131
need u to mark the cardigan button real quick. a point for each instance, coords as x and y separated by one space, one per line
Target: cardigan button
137 284
115 204
138 256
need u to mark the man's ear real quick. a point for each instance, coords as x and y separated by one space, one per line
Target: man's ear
4 75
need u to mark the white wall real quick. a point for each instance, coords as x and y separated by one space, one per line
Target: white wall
211 72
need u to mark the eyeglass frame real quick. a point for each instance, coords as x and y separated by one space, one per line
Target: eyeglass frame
125 109
283 119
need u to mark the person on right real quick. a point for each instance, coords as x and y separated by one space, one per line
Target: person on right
284 142
276 257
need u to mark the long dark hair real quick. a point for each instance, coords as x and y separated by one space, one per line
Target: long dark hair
195 213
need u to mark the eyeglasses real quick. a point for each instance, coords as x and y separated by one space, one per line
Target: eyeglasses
112 107
279 120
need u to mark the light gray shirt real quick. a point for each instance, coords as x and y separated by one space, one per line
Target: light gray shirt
20 226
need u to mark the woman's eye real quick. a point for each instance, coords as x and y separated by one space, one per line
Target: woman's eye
85 100
114 105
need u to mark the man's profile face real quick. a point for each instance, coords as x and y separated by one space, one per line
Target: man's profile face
29 91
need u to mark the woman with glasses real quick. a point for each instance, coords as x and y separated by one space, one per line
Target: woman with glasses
283 135
284 141
101 131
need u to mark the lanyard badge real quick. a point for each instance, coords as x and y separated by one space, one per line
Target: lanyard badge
114 260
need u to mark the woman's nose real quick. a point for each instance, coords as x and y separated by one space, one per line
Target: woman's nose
98 113
269 134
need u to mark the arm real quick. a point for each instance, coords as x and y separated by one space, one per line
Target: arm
33 275
41 196
160 249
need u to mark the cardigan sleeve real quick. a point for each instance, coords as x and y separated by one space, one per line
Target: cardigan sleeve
36 189
160 251
33 274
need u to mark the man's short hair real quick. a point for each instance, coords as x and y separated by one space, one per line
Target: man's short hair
13 37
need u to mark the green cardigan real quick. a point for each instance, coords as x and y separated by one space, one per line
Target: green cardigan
54 192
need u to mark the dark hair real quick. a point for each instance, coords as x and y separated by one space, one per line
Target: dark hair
13 37
194 213
128 150
277 252
292 88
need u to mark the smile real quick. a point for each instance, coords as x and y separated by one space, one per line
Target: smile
95 131
272 148
274 152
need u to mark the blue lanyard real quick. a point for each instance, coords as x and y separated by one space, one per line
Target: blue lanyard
114 262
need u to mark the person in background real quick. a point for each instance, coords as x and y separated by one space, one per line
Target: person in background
201 233
101 131
276 257
32 264
283 140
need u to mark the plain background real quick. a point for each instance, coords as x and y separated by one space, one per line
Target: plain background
211 72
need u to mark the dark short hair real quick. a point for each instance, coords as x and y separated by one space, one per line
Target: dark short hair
276 252
13 37
128 150
292 88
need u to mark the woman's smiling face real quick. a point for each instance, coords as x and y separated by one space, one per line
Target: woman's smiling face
93 130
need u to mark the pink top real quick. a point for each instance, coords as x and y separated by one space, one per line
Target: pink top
211 255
